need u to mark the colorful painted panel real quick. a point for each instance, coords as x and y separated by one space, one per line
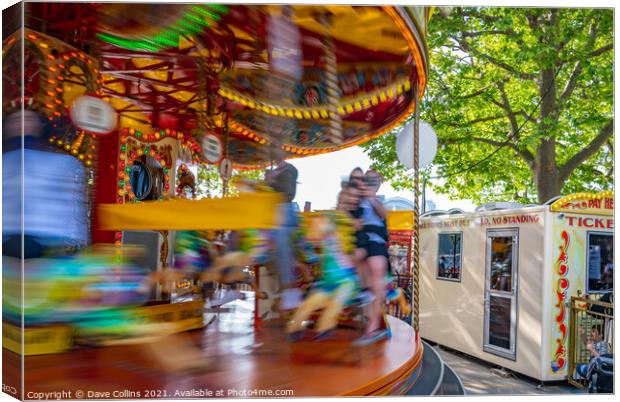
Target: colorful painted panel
569 275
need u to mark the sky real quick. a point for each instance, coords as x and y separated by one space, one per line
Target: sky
320 176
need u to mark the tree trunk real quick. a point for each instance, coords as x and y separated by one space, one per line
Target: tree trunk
546 173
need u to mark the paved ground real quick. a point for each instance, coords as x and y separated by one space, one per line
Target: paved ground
479 379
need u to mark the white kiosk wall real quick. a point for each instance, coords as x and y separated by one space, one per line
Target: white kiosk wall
494 310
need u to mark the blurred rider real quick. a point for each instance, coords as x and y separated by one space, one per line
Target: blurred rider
283 179
50 186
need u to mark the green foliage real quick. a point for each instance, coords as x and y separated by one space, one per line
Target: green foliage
516 95
209 183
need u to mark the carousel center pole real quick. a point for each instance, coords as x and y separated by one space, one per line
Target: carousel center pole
416 215
331 81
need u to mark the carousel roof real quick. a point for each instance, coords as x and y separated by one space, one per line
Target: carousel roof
307 79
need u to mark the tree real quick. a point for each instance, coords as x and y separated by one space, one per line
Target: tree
522 102
210 184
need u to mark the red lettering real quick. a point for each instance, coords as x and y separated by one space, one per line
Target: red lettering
586 224
598 223
610 223
609 203
570 220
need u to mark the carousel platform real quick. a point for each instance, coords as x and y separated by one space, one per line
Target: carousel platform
233 356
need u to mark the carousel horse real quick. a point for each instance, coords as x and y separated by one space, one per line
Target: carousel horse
337 284
395 295
93 292
252 247
198 258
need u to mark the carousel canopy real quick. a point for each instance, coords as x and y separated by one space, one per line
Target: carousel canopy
305 79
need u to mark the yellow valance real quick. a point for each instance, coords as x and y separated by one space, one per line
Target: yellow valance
247 211
400 220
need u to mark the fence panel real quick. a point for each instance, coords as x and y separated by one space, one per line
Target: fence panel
591 328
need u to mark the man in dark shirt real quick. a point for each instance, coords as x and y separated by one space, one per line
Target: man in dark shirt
283 179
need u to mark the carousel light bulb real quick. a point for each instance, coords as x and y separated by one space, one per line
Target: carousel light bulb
89 163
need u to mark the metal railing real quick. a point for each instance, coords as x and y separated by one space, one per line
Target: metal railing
591 322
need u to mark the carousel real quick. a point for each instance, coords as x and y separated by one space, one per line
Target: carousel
142 95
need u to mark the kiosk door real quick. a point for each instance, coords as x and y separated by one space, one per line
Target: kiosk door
500 297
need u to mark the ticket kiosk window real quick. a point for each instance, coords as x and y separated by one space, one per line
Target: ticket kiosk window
449 261
600 259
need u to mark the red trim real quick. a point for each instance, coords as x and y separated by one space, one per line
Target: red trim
105 182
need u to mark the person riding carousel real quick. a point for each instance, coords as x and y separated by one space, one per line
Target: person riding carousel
283 179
